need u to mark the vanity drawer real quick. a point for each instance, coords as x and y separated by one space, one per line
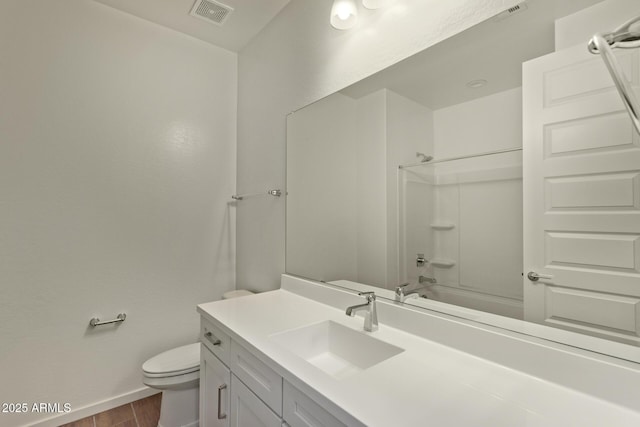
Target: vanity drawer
300 411
261 379
215 340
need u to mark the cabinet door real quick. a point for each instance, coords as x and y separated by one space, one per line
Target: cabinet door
581 196
300 411
215 381
247 410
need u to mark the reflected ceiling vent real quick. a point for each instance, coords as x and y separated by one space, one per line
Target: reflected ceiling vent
520 7
211 11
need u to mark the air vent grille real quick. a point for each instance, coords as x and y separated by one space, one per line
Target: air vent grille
212 11
520 7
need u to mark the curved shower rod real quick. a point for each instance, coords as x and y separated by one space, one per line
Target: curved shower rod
627 36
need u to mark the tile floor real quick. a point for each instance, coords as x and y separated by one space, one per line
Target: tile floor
141 413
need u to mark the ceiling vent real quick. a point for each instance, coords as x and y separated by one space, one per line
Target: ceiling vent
211 11
520 7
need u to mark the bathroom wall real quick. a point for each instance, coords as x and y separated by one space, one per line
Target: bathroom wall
410 129
324 239
297 59
391 129
483 197
371 195
605 16
342 222
489 123
117 160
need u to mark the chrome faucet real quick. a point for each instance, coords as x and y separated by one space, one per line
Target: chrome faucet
401 295
371 314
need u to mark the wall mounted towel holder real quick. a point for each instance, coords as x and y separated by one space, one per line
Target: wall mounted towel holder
96 322
274 193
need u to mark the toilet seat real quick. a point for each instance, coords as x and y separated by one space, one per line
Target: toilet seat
175 362
170 374
177 373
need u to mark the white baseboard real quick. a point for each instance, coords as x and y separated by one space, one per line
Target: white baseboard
95 408
193 424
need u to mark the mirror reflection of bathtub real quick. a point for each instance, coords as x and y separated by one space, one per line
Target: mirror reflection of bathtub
487 172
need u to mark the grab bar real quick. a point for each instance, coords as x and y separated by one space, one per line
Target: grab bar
625 38
96 322
274 193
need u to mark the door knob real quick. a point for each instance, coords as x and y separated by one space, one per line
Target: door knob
534 277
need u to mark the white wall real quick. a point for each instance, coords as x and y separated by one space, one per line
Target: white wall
372 189
486 124
297 59
410 129
117 154
322 197
602 17
343 157
482 196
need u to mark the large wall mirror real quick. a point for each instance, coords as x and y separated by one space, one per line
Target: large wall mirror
456 173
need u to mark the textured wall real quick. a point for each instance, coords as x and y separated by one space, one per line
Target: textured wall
117 159
297 59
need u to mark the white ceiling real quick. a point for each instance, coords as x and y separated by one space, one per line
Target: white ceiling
493 51
248 18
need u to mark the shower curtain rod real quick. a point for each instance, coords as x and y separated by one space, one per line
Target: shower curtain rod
470 156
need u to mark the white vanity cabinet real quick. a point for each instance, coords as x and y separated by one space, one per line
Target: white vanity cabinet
238 390
215 382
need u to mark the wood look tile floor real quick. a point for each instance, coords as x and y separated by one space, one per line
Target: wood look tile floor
141 413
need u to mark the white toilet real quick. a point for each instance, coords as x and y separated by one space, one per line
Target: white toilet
177 373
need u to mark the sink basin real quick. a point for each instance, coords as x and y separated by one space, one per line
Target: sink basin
335 349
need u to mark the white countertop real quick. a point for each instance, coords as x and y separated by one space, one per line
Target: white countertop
427 384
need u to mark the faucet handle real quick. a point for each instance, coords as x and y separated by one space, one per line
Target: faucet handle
370 295
400 288
404 285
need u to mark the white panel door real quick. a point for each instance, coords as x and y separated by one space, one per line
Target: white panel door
215 382
581 196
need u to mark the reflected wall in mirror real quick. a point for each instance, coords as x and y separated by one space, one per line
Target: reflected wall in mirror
464 217
419 174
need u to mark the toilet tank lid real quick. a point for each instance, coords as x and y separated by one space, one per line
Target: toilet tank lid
175 360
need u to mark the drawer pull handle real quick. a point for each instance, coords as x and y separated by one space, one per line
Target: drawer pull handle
221 416
212 338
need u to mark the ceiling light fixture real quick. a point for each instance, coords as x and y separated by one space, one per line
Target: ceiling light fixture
475 84
344 14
